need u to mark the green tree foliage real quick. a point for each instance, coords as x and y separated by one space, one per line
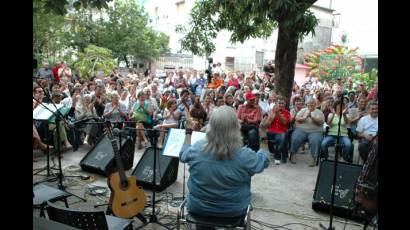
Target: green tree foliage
122 28
252 19
369 79
94 59
334 61
59 7
48 33
126 33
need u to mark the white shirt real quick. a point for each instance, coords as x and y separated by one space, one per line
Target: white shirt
67 102
368 125
264 106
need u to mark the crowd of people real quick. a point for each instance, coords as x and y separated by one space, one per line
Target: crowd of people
237 111
140 100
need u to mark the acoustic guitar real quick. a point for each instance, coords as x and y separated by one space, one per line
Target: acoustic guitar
127 199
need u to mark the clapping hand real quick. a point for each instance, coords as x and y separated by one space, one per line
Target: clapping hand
188 124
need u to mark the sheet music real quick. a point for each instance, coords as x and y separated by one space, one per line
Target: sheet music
41 113
176 138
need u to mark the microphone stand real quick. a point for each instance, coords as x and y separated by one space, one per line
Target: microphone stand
337 152
153 217
60 175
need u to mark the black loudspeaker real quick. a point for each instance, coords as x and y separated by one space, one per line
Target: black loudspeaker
167 170
346 179
210 60
100 159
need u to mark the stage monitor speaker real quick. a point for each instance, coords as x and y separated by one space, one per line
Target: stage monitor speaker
167 170
100 159
346 179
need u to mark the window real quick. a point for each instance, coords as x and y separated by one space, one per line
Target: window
230 63
180 6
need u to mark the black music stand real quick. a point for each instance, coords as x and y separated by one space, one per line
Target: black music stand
46 132
58 117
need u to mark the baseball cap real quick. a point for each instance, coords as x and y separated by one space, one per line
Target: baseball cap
250 96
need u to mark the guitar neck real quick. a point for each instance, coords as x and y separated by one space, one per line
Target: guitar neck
118 159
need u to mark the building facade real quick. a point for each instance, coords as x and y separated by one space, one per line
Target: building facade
248 56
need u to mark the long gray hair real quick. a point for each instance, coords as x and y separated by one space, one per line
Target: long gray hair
223 135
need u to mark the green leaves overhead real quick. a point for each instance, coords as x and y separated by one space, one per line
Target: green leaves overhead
123 28
252 19
59 7
245 19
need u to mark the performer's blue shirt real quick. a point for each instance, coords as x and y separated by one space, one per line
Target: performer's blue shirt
221 187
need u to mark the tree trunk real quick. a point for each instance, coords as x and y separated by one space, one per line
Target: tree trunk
126 60
285 60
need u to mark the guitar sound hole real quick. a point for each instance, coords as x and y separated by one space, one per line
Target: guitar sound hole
124 184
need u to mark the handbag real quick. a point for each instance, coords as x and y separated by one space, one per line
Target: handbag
139 116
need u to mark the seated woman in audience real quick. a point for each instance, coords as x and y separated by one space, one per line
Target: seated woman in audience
229 100
309 126
219 101
297 106
115 111
327 105
171 118
319 99
124 99
216 81
56 98
208 105
331 138
84 110
232 81
355 114
141 113
198 115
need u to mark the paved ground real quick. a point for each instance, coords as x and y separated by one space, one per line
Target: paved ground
282 194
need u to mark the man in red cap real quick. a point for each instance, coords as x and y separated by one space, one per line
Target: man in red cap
250 115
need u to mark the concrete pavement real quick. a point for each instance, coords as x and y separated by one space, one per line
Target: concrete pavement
282 194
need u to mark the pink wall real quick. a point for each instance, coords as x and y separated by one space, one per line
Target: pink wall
300 74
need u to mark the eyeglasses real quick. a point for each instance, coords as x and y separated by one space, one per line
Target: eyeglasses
40 91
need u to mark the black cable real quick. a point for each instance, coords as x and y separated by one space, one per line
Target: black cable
280 226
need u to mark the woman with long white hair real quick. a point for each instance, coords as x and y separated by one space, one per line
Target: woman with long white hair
220 167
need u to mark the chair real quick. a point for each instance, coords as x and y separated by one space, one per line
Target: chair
86 220
43 193
44 224
212 221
